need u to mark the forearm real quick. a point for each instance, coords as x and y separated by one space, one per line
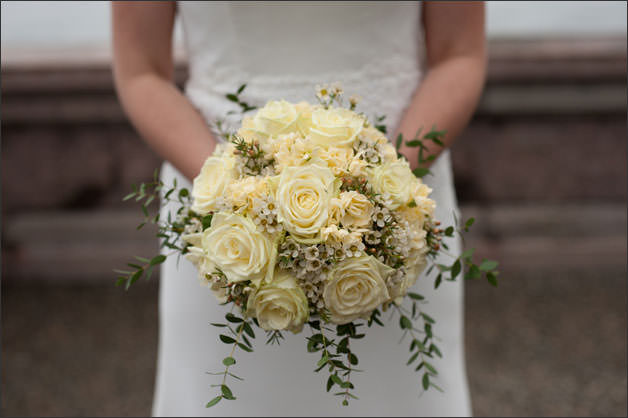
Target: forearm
446 99
167 121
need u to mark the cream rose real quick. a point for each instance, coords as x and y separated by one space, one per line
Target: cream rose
243 192
337 159
303 195
357 167
355 287
276 117
335 127
389 152
241 251
280 304
393 179
199 257
336 211
358 209
211 183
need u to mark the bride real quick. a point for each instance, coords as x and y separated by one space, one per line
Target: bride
422 65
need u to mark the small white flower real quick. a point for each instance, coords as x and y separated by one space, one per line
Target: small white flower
313 265
336 89
311 253
322 92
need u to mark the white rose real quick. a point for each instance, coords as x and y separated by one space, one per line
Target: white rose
274 118
358 209
393 179
280 304
335 127
242 252
303 195
355 287
211 183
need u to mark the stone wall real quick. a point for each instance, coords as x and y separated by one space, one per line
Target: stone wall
543 159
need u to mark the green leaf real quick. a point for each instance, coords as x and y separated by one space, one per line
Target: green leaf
426 381
434 134
207 221
330 383
245 348
217 324
232 318
404 322
492 278
413 143
213 402
129 196
468 224
435 350
241 88
431 368
226 339
322 361
353 359
228 361
226 392
488 265
421 172
438 281
232 97
415 296
473 273
455 269
414 356
399 141
249 330
427 318
158 259
449 231
468 253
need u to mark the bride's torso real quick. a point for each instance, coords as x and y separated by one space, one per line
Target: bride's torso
284 49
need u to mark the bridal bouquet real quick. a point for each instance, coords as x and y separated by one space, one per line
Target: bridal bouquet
307 215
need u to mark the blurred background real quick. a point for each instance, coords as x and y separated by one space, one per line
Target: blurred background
542 165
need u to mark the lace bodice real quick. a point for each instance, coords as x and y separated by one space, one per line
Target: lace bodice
283 50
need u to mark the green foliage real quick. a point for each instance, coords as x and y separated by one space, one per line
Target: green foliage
336 356
235 98
235 340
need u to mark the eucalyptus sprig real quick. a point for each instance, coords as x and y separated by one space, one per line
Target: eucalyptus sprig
235 97
237 339
169 231
340 363
419 141
422 347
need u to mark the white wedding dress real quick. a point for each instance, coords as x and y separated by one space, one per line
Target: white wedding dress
284 50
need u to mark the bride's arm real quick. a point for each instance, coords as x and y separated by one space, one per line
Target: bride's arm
456 65
143 71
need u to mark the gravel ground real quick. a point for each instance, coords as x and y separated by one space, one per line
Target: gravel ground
535 346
